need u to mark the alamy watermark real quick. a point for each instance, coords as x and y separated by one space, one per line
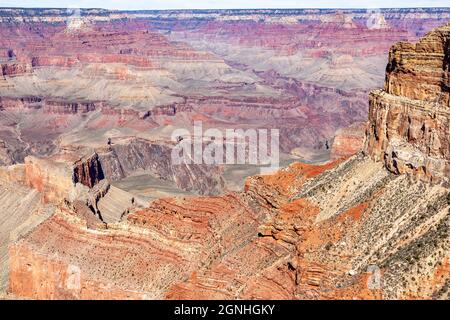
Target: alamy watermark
227 146
73 280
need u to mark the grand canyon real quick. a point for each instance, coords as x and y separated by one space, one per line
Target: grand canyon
91 206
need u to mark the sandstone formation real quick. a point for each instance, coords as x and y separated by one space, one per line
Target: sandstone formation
306 232
81 164
348 141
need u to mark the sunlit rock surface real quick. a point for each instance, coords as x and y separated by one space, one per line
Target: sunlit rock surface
91 207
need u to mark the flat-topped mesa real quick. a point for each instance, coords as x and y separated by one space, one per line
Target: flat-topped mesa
409 120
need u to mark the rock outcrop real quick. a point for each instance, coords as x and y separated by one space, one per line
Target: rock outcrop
88 171
306 232
127 156
359 227
21 210
348 141
52 179
409 126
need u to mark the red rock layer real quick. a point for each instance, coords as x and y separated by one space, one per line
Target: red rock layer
158 246
88 171
278 36
101 43
409 120
51 178
343 230
59 280
271 236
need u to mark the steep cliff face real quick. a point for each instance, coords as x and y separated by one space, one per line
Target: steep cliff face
21 210
52 179
409 126
57 177
356 228
421 71
348 141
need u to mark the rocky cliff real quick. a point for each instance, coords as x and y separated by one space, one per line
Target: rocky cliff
306 72
348 141
409 126
361 227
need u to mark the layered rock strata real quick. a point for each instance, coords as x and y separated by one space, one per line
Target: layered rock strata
409 126
356 228
306 72
348 141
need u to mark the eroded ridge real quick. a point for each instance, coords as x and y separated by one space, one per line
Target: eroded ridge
362 227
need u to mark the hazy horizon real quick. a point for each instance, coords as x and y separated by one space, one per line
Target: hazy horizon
218 4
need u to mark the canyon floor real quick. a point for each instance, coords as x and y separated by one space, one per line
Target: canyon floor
92 208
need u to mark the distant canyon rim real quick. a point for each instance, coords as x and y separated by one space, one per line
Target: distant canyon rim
72 81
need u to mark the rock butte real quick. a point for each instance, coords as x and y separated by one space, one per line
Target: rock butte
369 225
409 120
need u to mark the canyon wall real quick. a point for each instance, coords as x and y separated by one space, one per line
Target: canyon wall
409 125
348 141
129 156
344 230
88 171
357 227
57 177
52 179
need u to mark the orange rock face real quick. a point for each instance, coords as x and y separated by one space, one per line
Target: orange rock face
50 178
160 246
57 280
